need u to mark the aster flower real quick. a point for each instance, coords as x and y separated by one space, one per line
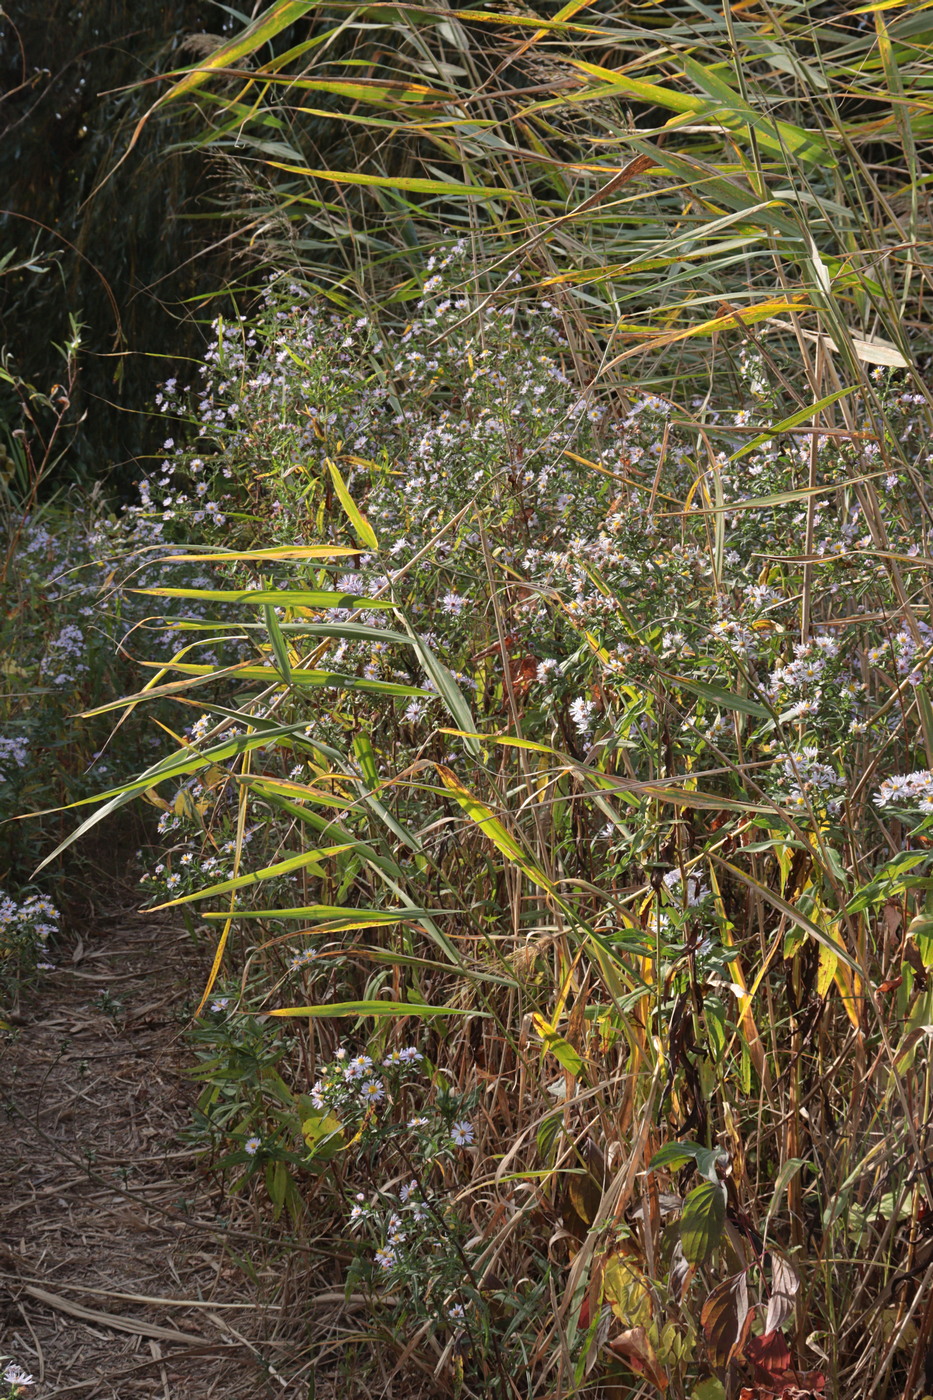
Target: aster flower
15 1375
252 1145
358 1066
462 1133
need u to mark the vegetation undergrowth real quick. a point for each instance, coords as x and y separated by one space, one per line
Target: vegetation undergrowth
553 740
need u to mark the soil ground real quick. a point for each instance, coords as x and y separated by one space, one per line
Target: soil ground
118 1272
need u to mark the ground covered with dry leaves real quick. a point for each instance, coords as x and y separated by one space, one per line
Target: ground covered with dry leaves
120 1272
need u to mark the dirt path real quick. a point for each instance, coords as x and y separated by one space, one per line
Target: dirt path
116 1272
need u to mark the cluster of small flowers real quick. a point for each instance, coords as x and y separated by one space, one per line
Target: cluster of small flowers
908 648
415 1230
14 753
802 682
254 405
67 647
907 790
348 1084
693 894
753 371
26 927
185 866
583 715
736 635
807 782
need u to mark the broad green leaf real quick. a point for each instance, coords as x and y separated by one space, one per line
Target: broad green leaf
323 1135
702 1221
920 929
674 1155
566 1056
710 1389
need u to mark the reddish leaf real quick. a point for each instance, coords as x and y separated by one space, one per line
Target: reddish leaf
775 1376
523 670
726 1318
634 1348
770 1357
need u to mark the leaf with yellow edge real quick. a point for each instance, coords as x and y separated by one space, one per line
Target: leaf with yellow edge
276 555
491 827
566 1056
269 872
364 531
414 183
379 1009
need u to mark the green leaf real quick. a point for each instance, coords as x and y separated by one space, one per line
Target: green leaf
702 1221
364 531
803 415
269 872
277 642
564 1053
378 1009
415 184
491 827
674 1155
677 1154
920 930
447 688
275 597
726 698
710 1389
281 553
298 676
776 135
278 17
323 1134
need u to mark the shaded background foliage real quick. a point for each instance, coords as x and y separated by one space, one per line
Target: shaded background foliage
130 261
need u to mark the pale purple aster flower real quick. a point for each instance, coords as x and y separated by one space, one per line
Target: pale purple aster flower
15 1375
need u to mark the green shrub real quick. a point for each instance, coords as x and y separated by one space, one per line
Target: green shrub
545 734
